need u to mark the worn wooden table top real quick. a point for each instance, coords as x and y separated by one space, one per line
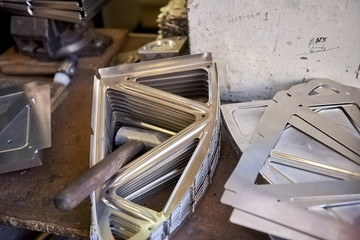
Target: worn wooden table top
26 197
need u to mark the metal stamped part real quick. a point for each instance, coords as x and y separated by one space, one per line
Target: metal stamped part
163 48
313 142
175 96
24 125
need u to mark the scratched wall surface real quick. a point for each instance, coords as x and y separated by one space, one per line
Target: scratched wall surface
262 47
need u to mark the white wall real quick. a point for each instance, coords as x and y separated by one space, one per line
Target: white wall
265 46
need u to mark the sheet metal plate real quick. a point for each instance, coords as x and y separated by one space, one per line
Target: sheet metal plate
24 125
330 101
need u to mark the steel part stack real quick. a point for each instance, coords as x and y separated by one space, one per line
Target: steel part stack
172 20
298 176
80 11
177 96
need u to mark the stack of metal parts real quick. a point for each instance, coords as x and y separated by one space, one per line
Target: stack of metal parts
177 96
172 20
298 176
24 125
76 11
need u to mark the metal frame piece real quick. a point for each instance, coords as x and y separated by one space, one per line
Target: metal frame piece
158 95
24 126
320 114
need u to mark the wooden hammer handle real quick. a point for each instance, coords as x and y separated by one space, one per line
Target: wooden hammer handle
96 176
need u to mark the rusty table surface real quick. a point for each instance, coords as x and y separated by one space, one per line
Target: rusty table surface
26 197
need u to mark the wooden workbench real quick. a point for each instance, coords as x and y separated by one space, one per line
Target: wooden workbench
26 197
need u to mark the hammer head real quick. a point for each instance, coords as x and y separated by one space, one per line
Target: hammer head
150 138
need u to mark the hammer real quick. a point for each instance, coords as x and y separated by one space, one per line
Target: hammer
132 141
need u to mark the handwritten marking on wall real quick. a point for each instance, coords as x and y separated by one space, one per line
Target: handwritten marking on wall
317 44
244 17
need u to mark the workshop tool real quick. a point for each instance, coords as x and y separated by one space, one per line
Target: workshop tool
46 39
66 70
150 138
62 78
177 96
133 141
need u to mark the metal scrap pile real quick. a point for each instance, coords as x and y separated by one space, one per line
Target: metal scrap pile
172 20
298 176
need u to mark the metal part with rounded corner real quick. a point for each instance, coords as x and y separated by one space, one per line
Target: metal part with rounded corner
241 119
303 107
186 160
163 48
24 125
